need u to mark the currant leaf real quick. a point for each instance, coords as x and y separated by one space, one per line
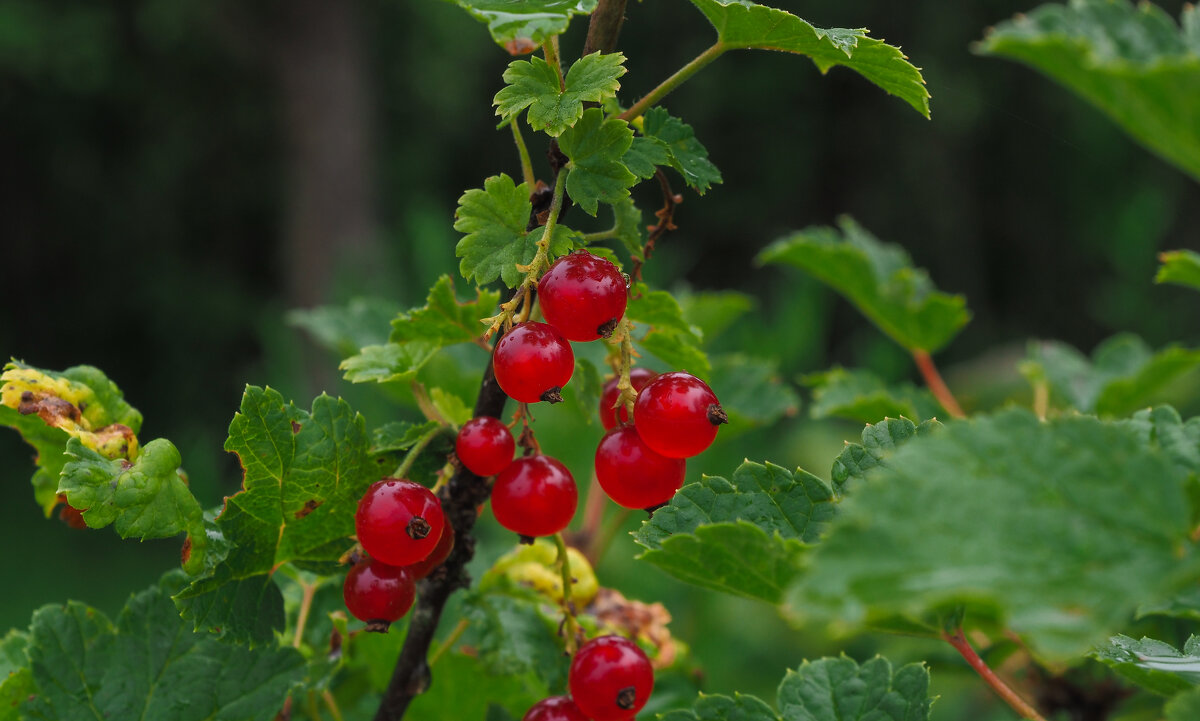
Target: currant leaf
629 228
523 26
1154 665
659 309
494 221
444 320
684 152
860 395
878 279
1123 374
1109 504
714 312
16 680
344 329
514 630
677 350
388 363
751 390
645 155
533 84
596 147
1132 62
744 24
305 472
1181 267
878 441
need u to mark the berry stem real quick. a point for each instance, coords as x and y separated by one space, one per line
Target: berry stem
309 590
428 409
683 74
523 151
569 622
625 393
937 386
1003 690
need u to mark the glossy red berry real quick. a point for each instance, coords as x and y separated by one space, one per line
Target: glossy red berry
609 416
378 593
633 475
485 445
533 362
677 415
555 708
610 679
399 522
441 552
535 496
583 296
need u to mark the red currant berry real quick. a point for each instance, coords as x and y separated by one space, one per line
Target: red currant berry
485 445
555 708
677 415
441 552
633 475
610 679
638 378
399 522
535 496
377 593
583 296
533 362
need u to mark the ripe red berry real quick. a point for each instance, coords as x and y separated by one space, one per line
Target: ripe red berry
677 415
555 708
533 362
378 593
610 679
638 378
441 552
485 445
399 522
633 475
583 296
534 496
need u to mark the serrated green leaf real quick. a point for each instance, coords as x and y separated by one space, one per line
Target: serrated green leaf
1181 267
399 436
659 309
645 155
16 680
743 24
744 536
596 148
715 707
983 512
677 350
528 20
304 475
464 690
1184 707
344 329
1154 665
686 154
444 320
151 666
145 499
534 84
1123 374
879 279
515 632
388 363
629 227
1132 62
878 440
750 389
452 408
860 395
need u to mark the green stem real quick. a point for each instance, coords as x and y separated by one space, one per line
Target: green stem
331 702
569 623
305 607
526 163
428 409
411 457
550 50
683 74
589 238
450 641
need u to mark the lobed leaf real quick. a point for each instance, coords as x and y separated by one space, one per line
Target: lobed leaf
878 441
628 227
515 632
984 512
1134 63
1181 267
657 308
525 24
878 279
16 680
684 152
345 328
1153 665
305 472
744 24
444 320
533 84
388 363
596 148
671 338
860 395
750 389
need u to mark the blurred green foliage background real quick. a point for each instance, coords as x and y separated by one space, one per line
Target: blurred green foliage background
177 174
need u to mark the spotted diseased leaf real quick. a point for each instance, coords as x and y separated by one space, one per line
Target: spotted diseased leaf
516 26
745 536
879 279
150 666
1153 665
444 320
1101 510
829 689
743 24
305 472
1181 267
1122 375
1134 63
684 152
533 84
860 395
147 498
878 440
596 148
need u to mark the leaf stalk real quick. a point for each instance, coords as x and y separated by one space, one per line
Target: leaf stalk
1003 690
682 75
936 385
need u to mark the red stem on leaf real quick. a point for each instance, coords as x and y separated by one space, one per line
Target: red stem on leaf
1003 690
937 386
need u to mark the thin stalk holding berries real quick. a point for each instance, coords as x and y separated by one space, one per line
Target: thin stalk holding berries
570 624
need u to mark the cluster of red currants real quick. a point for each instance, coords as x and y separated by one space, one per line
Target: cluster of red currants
401 526
610 680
